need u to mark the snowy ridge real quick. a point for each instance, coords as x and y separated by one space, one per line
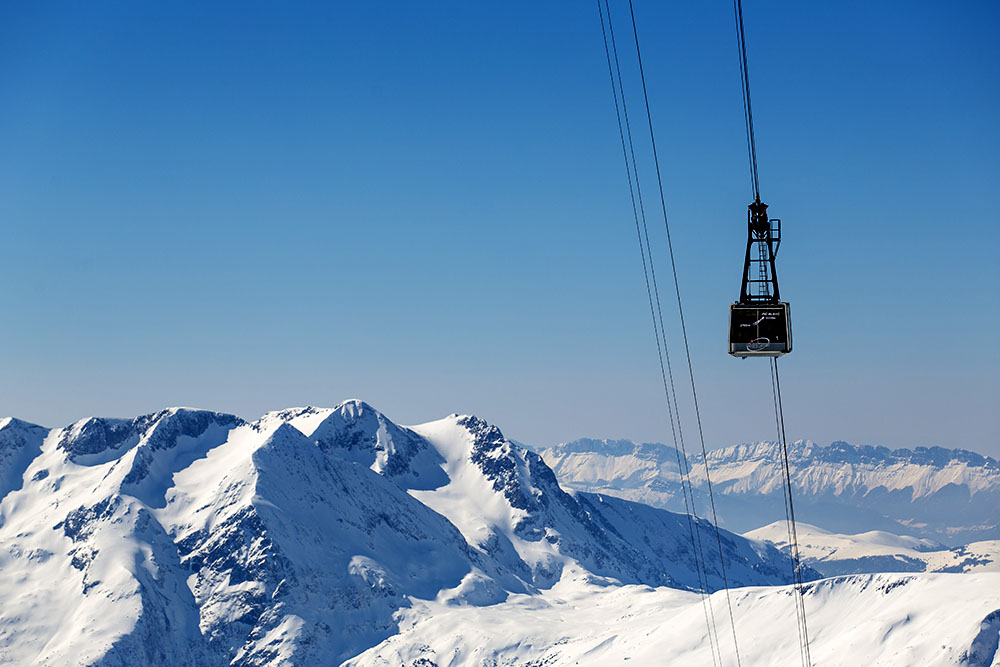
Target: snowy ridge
920 472
189 537
879 551
946 495
889 620
521 512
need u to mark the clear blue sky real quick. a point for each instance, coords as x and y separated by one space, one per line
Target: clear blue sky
247 206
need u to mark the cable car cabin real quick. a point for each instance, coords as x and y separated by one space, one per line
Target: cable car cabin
760 329
760 322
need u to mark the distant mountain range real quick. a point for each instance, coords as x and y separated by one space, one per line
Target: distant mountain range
189 537
952 496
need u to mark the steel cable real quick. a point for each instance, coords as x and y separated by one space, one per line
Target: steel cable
747 106
638 210
793 541
687 349
793 553
794 545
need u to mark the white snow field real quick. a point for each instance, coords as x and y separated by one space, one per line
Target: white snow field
315 536
879 620
878 551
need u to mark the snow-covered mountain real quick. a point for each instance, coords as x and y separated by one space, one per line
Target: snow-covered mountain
878 551
188 537
506 502
952 496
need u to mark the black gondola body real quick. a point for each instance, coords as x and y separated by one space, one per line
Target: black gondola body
760 330
760 324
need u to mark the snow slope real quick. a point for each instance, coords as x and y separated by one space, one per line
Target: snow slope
20 442
188 537
878 551
948 495
886 620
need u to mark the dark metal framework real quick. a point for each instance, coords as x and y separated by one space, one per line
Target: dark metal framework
760 277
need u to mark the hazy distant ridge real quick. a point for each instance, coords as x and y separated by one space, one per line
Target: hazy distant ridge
948 495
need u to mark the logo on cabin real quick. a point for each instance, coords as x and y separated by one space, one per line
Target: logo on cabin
758 344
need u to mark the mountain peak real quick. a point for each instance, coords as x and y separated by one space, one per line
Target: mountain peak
484 433
354 406
357 432
13 423
87 438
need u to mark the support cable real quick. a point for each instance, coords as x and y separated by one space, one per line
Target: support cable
793 541
671 393
687 349
638 210
747 106
794 546
789 513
